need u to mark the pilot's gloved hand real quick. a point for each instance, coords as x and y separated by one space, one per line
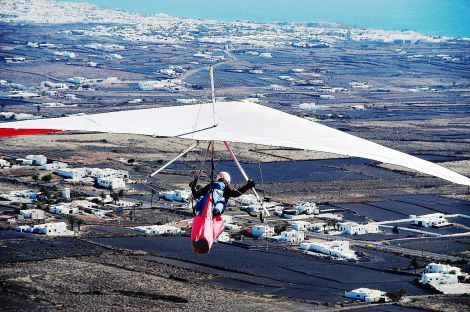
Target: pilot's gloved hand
193 183
250 183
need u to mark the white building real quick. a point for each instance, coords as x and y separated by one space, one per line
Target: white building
25 162
114 56
7 115
71 97
66 54
231 227
63 209
367 295
352 228
286 78
37 159
224 237
359 85
72 173
107 173
4 163
445 278
300 225
35 214
53 85
54 166
24 116
83 203
429 220
66 193
100 213
252 208
158 229
25 196
187 101
24 228
169 84
135 101
227 218
14 59
436 279
338 249
262 230
442 268
78 80
277 87
246 199
320 227
146 85
111 183
265 55
51 93
291 236
125 204
52 229
306 208
176 195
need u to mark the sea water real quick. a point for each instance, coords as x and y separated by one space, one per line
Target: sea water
432 17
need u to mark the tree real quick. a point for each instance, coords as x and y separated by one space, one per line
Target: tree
414 263
45 192
79 222
115 197
396 295
72 222
151 198
35 176
278 228
96 201
103 197
121 193
23 206
40 206
46 178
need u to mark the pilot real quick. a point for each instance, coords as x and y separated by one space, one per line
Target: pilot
222 190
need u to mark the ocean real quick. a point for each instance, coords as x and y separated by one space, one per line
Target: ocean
432 17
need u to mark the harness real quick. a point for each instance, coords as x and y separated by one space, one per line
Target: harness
219 202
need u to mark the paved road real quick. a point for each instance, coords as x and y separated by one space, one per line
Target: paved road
393 249
272 270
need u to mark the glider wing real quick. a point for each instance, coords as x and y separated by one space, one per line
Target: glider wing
242 122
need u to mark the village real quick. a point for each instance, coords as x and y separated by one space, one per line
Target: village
57 210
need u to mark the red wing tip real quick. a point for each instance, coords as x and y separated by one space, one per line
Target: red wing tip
9 132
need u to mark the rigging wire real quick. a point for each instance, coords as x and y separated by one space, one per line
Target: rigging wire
211 76
262 179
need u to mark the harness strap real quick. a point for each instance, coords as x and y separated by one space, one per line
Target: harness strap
212 163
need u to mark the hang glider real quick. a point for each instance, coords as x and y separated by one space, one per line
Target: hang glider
242 122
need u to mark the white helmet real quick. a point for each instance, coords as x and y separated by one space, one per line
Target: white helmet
225 176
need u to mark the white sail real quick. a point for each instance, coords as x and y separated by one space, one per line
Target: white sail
242 122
